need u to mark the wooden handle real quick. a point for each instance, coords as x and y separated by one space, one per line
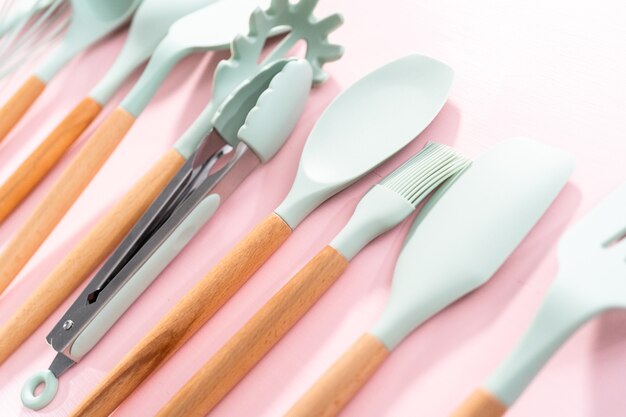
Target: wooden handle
62 195
250 344
186 317
90 252
19 103
342 381
481 404
46 156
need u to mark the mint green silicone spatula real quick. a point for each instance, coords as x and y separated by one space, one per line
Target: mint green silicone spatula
592 280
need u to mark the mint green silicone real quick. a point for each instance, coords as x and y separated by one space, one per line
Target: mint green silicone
149 26
468 229
50 387
113 310
212 27
245 61
591 281
363 126
91 21
380 210
278 110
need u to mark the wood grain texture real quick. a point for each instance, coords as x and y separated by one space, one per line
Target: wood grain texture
343 380
186 317
250 344
15 108
90 252
46 156
480 404
63 194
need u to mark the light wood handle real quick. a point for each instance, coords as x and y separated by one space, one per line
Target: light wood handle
343 380
63 194
186 317
481 404
14 109
90 252
45 157
250 344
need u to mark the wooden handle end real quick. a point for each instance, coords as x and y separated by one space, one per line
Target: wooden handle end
481 404
19 103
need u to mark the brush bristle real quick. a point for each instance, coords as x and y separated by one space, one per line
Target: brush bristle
425 171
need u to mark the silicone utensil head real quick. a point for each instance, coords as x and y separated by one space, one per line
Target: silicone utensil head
365 125
298 16
271 121
50 385
231 115
387 204
468 229
91 20
213 26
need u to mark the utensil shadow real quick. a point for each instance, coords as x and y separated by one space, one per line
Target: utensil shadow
608 366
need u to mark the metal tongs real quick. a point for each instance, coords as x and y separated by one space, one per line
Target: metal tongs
248 129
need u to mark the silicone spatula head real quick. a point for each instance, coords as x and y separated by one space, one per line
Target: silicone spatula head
468 229
365 125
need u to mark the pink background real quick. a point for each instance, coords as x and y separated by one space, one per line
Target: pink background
550 70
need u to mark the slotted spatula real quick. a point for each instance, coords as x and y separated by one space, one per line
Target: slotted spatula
592 279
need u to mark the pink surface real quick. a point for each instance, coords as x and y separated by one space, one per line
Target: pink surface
548 70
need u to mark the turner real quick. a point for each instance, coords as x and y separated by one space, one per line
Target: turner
458 241
592 279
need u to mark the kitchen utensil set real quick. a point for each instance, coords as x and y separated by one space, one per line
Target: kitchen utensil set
359 130
477 215
592 280
381 209
111 229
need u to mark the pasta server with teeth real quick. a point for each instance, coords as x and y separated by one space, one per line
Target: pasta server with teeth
249 128
380 210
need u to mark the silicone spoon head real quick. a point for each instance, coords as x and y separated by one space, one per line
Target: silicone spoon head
365 125
468 229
